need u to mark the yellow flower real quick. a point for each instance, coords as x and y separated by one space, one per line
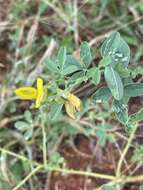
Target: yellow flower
30 93
72 104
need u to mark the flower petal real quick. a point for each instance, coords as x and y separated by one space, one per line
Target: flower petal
40 92
75 101
28 93
70 110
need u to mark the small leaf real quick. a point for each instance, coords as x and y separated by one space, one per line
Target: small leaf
103 134
52 66
55 111
141 187
21 125
25 128
105 61
102 94
94 74
85 54
28 133
110 44
138 155
28 116
123 50
71 65
42 7
115 47
133 89
122 71
56 158
108 187
114 82
137 117
121 111
62 57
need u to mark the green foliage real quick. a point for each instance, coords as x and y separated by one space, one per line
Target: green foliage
133 89
102 132
61 58
141 187
104 135
102 94
94 74
137 117
109 80
26 126
55 111
71 65
138 155
115 47
114 82
105 61
121 111
56 160
108 187
85 54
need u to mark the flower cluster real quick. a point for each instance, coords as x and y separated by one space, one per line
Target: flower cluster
72 102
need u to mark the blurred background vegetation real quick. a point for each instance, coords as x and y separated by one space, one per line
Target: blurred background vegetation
32 31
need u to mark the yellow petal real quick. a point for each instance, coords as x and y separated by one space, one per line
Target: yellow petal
75 101
28 93
40 92
70 110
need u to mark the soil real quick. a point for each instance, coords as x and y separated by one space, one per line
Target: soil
78 157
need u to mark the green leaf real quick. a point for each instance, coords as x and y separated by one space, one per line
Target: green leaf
115 47
56 158
71 65
102 94
52 66
61 58
133 89
124 53
105 61
42 7
121 111
55 111
141 187
137 117
122 71
108 187
103 134
94 74
21 125
114 82
28 116
138 155
136 71
110 44
85 54
25 128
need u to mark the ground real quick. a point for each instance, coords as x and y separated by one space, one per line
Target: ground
22 46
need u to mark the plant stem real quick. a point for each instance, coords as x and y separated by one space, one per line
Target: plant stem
120 162
20 157
44 145
112 179
83 173
133 179
27 177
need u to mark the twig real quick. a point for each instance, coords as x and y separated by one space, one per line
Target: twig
28 177
120 162
40 66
